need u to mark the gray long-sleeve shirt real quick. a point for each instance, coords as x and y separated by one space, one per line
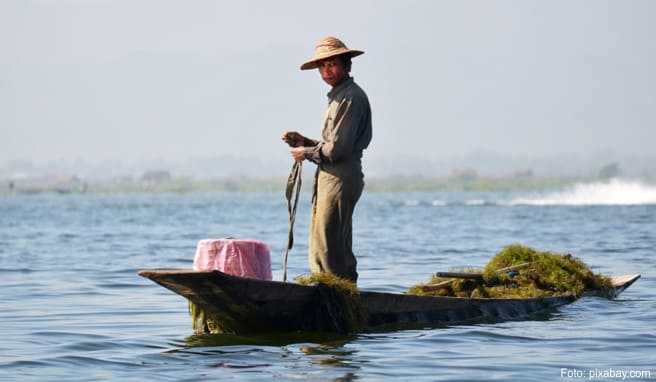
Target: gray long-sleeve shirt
347 127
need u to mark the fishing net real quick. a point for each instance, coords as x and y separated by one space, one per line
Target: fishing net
521 272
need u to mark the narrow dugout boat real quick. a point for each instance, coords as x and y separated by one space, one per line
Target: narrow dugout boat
246 305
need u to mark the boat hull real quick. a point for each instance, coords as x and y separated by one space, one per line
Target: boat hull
245 305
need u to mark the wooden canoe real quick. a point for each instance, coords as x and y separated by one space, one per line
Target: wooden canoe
247 305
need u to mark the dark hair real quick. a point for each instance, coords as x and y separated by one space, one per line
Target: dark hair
346 60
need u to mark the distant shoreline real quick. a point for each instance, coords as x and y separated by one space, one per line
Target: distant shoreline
386 184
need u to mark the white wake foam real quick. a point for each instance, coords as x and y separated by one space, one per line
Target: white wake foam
612 192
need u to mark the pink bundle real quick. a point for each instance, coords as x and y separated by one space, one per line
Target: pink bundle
246 258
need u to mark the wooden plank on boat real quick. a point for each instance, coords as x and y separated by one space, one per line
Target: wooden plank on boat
438 286
460 275
478 275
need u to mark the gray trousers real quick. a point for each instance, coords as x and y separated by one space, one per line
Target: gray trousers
331 227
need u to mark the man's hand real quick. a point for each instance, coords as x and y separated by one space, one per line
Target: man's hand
298 153
293 138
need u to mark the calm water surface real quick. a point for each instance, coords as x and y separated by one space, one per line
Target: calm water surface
72 306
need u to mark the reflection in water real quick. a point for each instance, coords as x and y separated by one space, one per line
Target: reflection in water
346 378
322 349
235 366
330 354
267 339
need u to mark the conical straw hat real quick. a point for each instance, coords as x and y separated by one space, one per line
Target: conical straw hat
329 47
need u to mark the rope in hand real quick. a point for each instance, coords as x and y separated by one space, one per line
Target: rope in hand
292 191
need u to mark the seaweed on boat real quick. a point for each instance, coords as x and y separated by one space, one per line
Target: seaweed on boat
203 321
340 284
340 300
543 274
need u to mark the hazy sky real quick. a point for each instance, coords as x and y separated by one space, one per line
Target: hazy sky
134 80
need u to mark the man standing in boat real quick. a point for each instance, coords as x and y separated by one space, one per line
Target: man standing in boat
339 180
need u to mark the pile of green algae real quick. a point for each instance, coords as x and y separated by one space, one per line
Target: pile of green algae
545 274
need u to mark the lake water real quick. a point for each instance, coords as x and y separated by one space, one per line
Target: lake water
73 308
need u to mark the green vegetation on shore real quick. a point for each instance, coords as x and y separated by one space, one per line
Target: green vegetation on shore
189 185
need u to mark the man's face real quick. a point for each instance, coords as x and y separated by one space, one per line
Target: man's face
332 70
